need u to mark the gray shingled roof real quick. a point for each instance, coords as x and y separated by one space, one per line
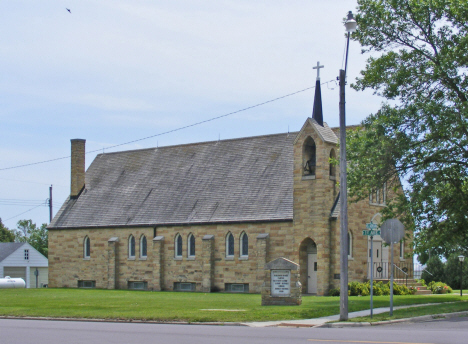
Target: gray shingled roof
249 179
325 132
7 248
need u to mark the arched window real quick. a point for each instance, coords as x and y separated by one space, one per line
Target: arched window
229 245
350 245
131 246
332 161
244 245
86 247
191 246
178 246
143 247
309 157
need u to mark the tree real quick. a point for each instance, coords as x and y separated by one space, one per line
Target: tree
452 272
37 237
435 270
420 136
5 234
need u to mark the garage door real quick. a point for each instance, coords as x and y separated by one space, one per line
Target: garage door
15 272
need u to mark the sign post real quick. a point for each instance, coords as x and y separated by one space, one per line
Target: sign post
372 230
392 232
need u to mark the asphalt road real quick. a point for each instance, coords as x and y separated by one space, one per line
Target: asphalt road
16 331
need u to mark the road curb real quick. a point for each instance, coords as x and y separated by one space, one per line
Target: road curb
421 318
130 321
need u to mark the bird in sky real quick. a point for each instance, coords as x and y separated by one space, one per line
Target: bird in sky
68 10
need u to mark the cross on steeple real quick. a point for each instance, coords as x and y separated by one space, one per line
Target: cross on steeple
318 69
317 111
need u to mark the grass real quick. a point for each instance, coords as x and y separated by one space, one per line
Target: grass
178 306
417 311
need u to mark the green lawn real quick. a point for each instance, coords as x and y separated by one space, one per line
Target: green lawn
174 306
416 312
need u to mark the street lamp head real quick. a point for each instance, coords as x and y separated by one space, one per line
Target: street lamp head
350 24
461 258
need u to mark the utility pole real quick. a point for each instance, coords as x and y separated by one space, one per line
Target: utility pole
343 206
50 204
350 27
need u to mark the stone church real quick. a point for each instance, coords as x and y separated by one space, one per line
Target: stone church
208 216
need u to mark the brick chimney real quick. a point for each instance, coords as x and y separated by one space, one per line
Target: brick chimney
77 167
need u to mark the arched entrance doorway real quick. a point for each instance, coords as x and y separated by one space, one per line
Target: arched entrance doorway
308 262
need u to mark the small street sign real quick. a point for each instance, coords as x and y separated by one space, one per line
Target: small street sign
371 226
371 232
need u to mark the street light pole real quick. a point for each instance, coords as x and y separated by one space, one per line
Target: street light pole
461 258
343 206
350 27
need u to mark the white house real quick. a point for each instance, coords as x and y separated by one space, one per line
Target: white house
21 260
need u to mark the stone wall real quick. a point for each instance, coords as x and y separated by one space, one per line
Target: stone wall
313 200
210 269
110 266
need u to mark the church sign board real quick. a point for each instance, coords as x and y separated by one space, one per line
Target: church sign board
281 284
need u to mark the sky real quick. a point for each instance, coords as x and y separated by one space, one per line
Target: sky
117 71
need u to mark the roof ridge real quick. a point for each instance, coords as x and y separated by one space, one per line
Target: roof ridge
201 143
5 253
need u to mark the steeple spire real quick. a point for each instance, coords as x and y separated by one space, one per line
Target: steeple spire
317 111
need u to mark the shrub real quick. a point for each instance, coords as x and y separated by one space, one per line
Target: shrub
400 290
386 289
354 288
377 290
439 288
363 289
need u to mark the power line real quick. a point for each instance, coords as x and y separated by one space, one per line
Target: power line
173 130
34 163
24 202
27 202
24 212
44 203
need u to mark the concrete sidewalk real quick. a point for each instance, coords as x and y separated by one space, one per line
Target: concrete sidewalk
318 322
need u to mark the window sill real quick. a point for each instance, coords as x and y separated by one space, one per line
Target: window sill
131 258
177 258
87 258
230 258
350 258
244 258
402 259
332 177
191 258
143 258
308 177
